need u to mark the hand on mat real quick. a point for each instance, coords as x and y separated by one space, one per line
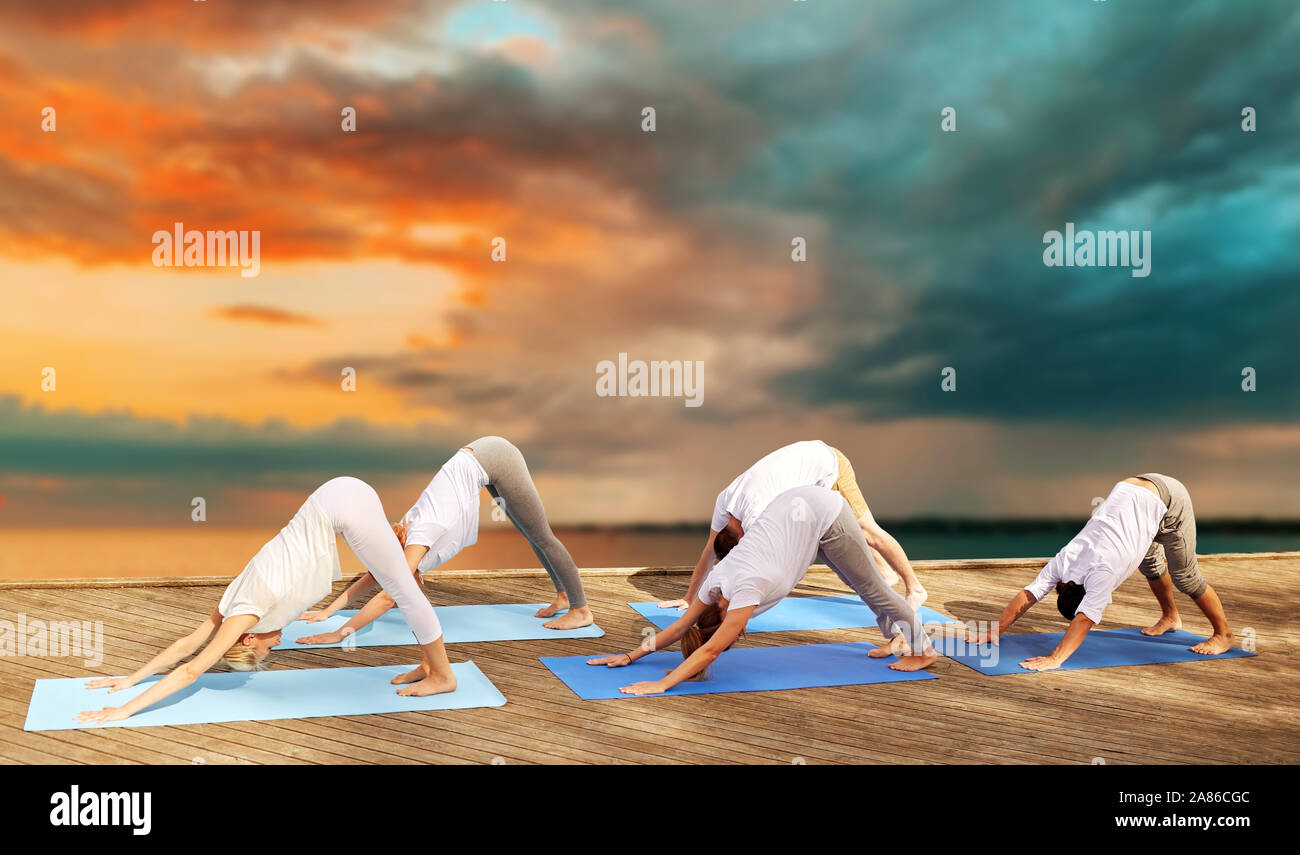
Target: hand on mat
322 638
1040 663
106 714
983 636
655 688
674 604
113 684
313 617
617 660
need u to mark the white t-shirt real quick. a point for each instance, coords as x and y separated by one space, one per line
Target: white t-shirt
294 570
776 551
445 517
799 464
1107 551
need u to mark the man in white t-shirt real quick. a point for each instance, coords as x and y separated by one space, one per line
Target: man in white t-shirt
798 526
800 464
1146 524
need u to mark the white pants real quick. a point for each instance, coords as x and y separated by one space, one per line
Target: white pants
354 508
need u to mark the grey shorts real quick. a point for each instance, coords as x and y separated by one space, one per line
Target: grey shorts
1174 547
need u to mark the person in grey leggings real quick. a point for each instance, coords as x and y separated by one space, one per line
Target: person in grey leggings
444 520
758 570
512 489
845 550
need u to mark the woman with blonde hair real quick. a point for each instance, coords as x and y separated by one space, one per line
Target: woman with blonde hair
292 571
756 572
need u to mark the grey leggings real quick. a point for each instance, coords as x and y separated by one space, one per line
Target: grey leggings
844 549
513 489
1174 547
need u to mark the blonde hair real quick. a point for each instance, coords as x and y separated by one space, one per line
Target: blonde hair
240 657
696 636
399 529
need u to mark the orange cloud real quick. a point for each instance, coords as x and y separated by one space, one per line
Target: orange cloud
264 315
201 25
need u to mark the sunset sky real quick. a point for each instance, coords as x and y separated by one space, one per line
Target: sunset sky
523 120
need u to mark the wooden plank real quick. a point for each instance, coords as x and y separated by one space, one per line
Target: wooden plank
1243 711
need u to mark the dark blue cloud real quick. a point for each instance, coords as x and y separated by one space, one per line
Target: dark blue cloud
1118 117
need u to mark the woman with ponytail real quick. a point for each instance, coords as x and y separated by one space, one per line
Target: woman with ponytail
756 572
800 464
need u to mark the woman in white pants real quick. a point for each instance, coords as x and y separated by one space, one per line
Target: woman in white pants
293 571
762 568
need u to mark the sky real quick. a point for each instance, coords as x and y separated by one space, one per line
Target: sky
523 120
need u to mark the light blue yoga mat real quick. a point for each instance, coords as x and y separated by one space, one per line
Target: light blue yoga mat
747 669
460 625
258 696
1107 648
799 613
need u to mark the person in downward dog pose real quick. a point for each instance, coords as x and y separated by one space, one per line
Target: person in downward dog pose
444 520
292 572
1145 524
759 570
811 462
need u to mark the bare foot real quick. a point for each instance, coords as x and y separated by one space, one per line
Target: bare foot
1214 645
895 647
1165 624
890 576
917 598
409 677
573 619
915 663
561 603
429 686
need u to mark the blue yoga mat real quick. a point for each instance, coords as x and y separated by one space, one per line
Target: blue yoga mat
258 696
1105 648
799 613
748 669
460 625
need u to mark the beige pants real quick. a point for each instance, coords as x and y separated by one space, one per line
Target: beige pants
847 485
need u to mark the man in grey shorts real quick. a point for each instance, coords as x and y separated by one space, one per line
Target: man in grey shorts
1171 563
1145 524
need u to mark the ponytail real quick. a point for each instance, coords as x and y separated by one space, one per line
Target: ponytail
698 635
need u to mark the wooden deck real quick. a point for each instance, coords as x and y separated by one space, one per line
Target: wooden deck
1242 711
